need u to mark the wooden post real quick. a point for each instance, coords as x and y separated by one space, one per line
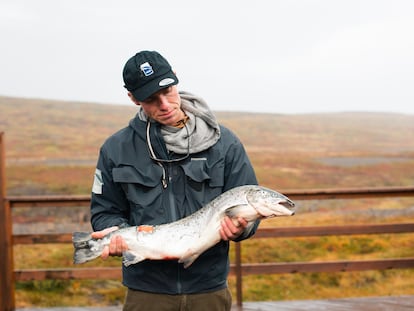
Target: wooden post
239 288
7 298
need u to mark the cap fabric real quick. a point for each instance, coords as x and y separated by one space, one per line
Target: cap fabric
146 73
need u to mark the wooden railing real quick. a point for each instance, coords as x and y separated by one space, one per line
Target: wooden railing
9 275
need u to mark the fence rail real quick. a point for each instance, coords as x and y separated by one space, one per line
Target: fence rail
8 275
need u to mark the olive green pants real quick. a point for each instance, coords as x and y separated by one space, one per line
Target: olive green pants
141 301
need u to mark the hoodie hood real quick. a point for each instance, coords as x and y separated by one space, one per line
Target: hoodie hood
200 132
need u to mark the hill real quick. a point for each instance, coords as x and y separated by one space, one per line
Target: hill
74 126
290 151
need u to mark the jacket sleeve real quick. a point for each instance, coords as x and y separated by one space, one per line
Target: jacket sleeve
238 172
109 206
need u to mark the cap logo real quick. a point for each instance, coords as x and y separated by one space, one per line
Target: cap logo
146 69
166 81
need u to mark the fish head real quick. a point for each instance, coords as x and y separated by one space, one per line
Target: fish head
270 203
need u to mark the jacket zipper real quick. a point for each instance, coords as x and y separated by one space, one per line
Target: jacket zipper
173 210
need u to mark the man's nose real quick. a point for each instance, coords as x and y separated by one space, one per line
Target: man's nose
162 101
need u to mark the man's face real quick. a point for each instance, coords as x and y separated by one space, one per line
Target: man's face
163 106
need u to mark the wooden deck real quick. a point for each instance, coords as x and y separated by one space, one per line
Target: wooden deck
389 303
402 303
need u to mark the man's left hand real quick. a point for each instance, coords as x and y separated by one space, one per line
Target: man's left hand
231 229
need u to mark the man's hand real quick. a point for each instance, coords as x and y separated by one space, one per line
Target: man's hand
116 246
231 229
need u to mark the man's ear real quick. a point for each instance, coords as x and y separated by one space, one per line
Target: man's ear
133 99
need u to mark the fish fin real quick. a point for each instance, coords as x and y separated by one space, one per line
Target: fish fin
199 246
85 248
233 211
188 258
206 240
130 257
250 226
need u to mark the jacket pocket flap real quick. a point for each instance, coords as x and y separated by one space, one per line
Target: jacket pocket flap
196 170
149 176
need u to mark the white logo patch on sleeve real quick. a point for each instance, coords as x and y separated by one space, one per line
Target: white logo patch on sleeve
97 182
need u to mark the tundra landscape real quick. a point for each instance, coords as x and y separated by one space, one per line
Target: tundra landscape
52 147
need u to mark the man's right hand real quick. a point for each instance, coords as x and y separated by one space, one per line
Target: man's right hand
116 246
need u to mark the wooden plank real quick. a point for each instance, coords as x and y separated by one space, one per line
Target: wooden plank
386 303
68 274
49 200
326 266
247 269
42 238
7 297
333 230
349 193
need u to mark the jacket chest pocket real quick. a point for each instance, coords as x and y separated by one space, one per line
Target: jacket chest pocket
204 180
141 187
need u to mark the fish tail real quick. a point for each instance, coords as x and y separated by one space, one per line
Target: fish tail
86 248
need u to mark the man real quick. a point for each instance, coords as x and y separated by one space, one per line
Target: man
170 160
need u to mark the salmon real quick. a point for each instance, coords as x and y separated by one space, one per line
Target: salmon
184 240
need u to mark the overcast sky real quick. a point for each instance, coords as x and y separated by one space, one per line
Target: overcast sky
283 56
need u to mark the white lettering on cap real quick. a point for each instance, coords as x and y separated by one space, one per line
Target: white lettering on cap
166 81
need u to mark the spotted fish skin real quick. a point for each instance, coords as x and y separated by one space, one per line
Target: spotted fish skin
184 240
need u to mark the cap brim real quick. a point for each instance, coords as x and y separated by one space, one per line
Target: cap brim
154 86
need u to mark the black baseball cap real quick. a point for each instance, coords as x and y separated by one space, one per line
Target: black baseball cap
146 73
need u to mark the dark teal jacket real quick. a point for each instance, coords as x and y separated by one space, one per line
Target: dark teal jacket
133 194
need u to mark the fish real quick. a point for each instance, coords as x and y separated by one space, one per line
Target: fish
186 239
